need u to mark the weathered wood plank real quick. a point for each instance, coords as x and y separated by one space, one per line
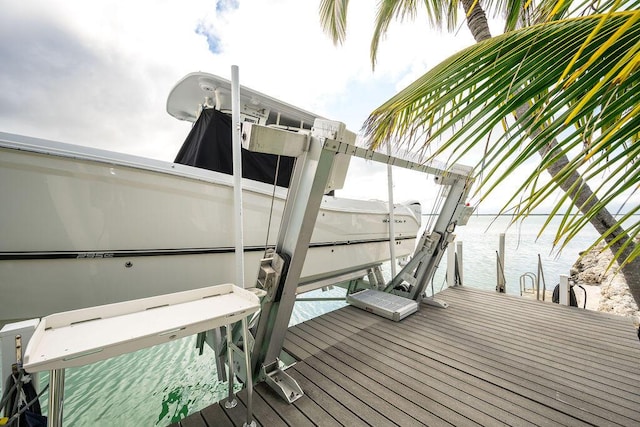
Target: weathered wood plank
238 414
488 359
337 412
215 416
489 365
194 420
289 414
535 353
262 411
357 407
461 388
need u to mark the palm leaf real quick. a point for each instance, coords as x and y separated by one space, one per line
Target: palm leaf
333 19
580 78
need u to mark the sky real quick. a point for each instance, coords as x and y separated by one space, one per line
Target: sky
98 73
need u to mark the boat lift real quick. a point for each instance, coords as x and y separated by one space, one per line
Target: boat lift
257 354
279 274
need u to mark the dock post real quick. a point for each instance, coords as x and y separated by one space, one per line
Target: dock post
451 266
500 279
564 290
459 262
56 398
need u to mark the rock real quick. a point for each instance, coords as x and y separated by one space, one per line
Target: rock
592 269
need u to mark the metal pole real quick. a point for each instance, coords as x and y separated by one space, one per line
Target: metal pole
231 399
237 174
459 258
247 365
392 221
56 398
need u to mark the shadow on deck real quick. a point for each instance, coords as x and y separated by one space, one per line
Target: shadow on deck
487 360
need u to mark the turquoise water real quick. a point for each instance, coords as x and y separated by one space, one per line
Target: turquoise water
480 239
160 385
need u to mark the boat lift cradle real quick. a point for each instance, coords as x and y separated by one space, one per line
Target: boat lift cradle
279 274
322 154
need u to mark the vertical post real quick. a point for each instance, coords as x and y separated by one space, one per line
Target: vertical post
237 174
247 365
231 398
538 278
56 398
392 220
564 289
459 258
451 266
8 335
500 280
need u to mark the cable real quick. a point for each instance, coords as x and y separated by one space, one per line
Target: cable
28 405
273 196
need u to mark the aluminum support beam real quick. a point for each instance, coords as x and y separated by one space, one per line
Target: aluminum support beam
455 171
450 216
310 177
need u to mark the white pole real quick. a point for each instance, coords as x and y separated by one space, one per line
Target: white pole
500 266
451 266
460 266
392 221
564 289
237 174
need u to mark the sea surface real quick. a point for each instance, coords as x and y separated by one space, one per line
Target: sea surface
160 385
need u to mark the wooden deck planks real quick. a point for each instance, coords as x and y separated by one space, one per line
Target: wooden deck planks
488 359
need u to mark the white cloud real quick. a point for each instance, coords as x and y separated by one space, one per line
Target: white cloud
98 73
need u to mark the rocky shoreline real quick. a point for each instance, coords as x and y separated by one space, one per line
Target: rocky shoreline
606 291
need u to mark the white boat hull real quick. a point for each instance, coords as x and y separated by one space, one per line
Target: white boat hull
84 227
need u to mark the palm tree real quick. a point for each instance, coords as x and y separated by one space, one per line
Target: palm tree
517 74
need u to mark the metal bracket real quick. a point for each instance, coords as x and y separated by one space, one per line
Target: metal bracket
271 267
281 382
434 302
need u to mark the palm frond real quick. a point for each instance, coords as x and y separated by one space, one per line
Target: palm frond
390 10
333 19
591 110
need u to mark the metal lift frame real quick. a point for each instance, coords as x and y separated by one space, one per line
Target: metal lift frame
279 276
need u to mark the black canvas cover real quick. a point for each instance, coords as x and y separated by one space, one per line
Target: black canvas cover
208 146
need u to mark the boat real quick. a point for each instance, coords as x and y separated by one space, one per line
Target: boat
85 227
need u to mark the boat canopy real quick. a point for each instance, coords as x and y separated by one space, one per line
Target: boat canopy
209 146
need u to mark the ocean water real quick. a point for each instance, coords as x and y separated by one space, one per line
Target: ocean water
160 385
480 240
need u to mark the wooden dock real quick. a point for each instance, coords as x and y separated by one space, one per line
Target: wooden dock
486 360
